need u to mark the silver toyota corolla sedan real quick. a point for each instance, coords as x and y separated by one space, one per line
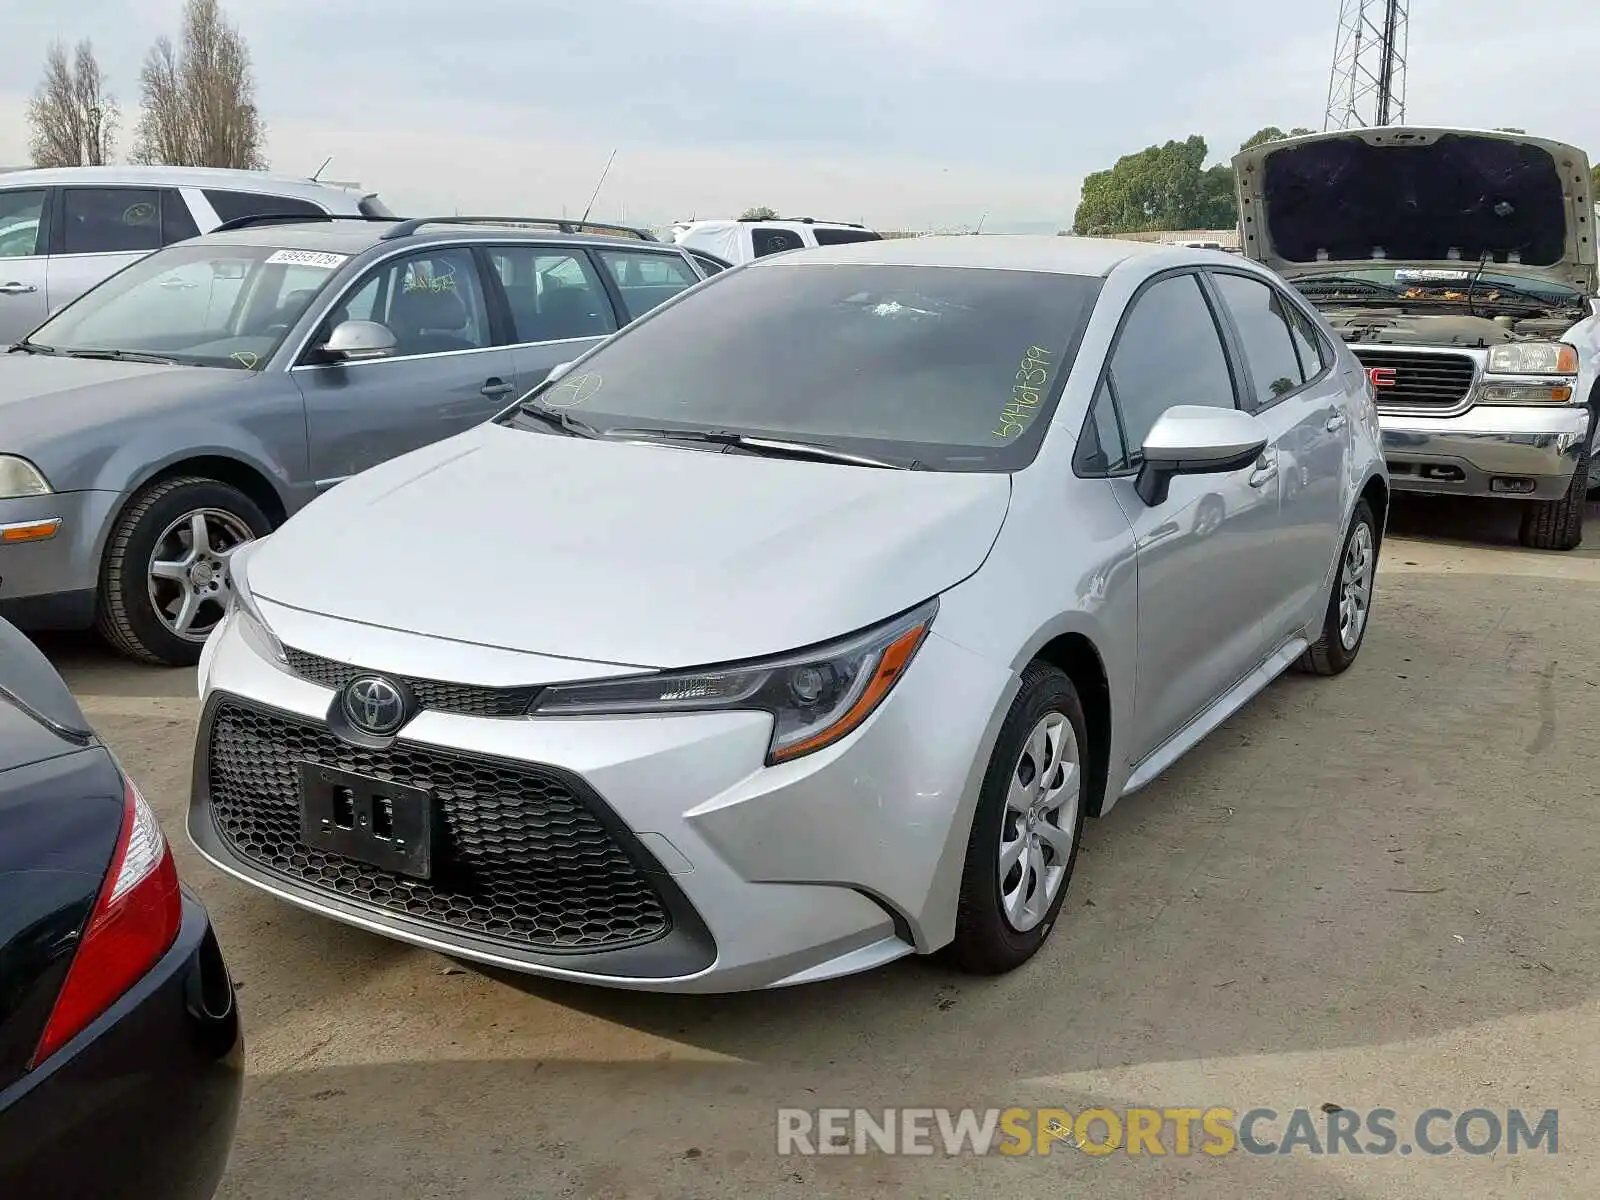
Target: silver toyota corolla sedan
799 626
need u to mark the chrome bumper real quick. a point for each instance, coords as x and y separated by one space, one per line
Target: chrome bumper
1508 452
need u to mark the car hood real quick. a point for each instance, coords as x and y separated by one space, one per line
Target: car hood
637 555
42 398
1429 198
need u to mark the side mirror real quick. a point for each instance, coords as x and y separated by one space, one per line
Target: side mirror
357 341
1191 439
557 371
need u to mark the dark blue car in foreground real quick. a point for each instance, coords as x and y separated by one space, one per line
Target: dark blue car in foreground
120 1050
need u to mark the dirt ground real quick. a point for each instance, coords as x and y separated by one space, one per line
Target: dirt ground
1371 892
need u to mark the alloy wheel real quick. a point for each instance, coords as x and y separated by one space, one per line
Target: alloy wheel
190 578
1040 821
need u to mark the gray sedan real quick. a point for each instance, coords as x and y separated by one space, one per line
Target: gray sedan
201 396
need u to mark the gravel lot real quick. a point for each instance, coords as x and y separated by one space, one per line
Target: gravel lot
1374 892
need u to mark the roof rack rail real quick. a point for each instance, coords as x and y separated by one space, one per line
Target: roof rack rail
411 225
808 221
248 221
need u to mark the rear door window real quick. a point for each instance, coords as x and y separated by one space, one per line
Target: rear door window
110 220
1259 315
554 295
645 280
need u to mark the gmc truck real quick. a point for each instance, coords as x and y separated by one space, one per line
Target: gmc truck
1460 267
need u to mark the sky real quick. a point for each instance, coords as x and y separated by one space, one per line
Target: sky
903 114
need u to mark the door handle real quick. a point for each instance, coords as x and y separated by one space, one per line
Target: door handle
497 387
1266 471
1337 422
16 289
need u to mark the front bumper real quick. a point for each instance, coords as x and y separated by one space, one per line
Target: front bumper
1507 452
50 583
142 1104
835 863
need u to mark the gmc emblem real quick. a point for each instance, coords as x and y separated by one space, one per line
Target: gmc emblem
1381 377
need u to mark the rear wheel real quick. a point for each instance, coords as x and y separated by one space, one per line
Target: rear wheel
165 582
1344 626
1027 827
1558 524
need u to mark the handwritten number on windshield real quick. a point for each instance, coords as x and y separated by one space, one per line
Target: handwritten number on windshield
1026 396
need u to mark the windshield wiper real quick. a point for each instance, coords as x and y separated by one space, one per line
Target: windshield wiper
132 356
27 347
770 447
558 418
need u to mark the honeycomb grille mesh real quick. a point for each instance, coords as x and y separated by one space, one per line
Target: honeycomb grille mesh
434 694
518 857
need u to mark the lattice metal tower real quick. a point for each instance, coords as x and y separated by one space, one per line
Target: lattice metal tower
1368 85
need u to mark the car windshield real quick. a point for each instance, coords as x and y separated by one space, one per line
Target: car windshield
949 368
216 305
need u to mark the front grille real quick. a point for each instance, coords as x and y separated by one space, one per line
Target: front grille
463 698
1441 381
518 855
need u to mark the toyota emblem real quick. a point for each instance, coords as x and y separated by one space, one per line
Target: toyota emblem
374 705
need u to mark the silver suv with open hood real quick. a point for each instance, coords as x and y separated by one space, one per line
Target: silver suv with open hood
1460 267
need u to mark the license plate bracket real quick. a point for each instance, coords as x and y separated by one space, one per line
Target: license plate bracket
384 824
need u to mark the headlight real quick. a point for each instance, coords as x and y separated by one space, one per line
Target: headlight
242 608
815 696
1533 358
19 477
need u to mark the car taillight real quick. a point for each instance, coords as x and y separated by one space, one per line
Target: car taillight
134 922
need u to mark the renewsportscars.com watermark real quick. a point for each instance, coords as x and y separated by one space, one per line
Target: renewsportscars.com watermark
1159 1132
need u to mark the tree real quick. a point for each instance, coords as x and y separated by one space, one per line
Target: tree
1272 134
1597 177
1508 129
1160 187
199 106
72 117
759 213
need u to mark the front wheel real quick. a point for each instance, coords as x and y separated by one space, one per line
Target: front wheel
166 578
1344 626
1025 832
1558 524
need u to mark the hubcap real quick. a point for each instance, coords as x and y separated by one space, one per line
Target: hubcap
1040 822
1355 587
189 581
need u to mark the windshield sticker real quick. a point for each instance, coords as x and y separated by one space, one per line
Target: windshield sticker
1430 276
245 359
306 258
1026 396
573 391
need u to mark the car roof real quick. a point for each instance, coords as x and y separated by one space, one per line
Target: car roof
356 236
161 176
1015 252
766 222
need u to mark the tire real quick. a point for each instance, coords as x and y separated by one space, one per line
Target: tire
1558 524
987 940
1329 654
127 616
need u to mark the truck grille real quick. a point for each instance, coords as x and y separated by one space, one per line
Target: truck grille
519 856
1440 381
463 698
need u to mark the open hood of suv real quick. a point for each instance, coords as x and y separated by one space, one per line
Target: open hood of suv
1429 198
